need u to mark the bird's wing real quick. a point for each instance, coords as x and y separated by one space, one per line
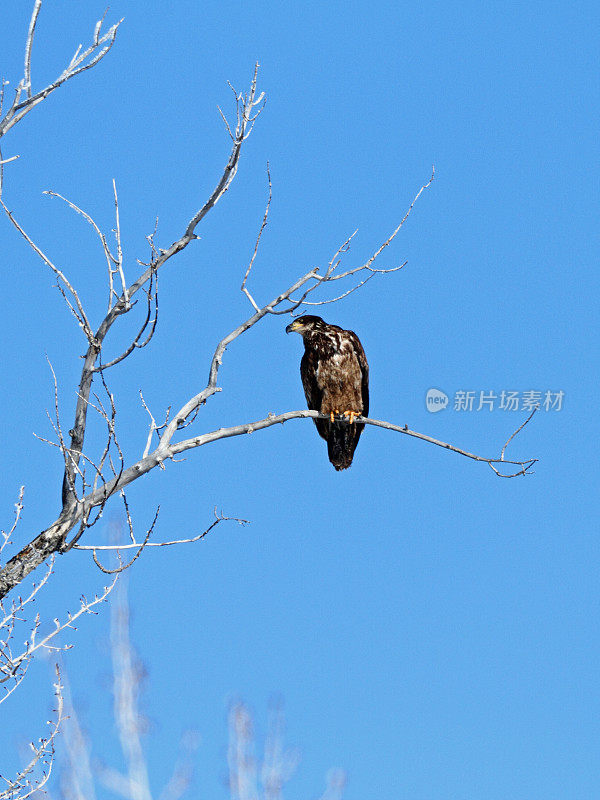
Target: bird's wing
364 368
314 395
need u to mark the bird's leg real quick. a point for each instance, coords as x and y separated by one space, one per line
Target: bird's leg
351 415
333 414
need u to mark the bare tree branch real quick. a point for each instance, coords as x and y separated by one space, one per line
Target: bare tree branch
75 510
260 233
34 776
152 300
140 547
245 104
79 63
77 309
111 261
146 543
35 553
119 261
27 76
32 645
18 510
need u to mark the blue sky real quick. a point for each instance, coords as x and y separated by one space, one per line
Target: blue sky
431 628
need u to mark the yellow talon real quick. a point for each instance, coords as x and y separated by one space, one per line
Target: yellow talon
351 415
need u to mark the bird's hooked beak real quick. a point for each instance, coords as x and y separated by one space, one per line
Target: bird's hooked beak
293 326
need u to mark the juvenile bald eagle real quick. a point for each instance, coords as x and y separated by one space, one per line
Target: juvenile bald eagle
335 377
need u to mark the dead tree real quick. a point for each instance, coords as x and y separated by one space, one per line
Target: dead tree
90 479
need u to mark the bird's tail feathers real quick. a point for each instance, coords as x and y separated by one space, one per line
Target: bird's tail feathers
341 444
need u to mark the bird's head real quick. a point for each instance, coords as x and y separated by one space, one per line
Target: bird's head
306 324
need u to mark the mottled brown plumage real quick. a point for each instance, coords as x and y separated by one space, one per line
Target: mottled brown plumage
335 377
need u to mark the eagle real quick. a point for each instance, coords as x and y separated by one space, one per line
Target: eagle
335 377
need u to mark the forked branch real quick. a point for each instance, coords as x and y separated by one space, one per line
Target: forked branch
246 114
24 99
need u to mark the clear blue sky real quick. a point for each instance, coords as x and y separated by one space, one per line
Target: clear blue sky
432 628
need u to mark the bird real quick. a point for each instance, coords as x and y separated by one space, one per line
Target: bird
335 377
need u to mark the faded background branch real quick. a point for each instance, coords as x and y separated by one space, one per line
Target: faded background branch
84 773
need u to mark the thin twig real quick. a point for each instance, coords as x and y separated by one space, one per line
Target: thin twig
260 233
79 312
28 45
119 263
197 538
18 510
27 782
85 608
519 429
140 547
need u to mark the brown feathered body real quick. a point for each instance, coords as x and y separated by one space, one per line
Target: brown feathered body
335 377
